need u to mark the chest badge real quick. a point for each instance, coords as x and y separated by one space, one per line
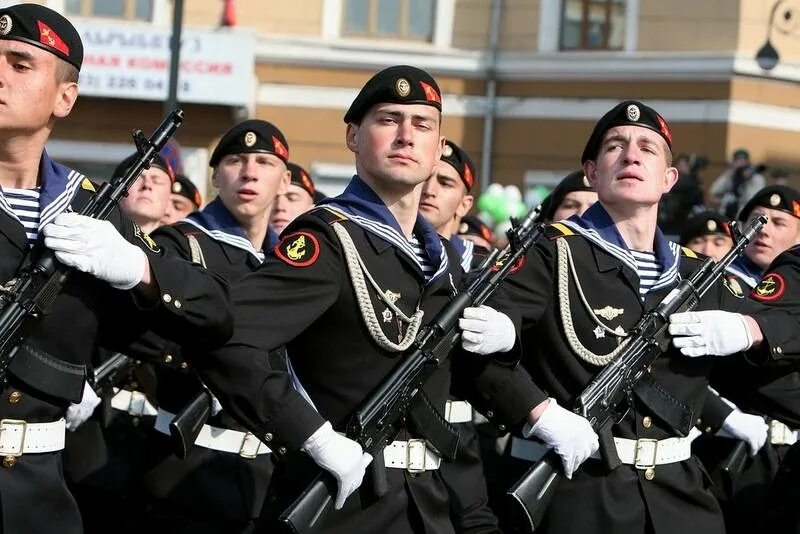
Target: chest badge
599 333
391 296
608 313
387 315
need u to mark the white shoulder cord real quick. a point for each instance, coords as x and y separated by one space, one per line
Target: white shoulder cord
565 262
357 270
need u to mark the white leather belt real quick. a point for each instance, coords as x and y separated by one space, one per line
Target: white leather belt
133 402
780 434
457 411
18 437
244 444
526 449
412 455
646 453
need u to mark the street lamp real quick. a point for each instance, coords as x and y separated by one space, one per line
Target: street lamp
767 56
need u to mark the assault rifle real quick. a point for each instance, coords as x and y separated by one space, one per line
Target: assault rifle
380 417
113 372
606 399
30 295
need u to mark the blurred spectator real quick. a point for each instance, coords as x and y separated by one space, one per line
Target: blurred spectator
685 198
780 176
737 185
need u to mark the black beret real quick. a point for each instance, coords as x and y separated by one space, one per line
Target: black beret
628 113
44 28
158 162
184 187
319 196
707 222
459 160
401 84
574 181
472 225
301 178
776 197
251 136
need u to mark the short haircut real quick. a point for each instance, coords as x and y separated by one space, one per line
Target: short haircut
65 72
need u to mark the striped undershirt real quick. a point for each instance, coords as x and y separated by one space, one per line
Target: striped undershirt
428 268
648 269
25 204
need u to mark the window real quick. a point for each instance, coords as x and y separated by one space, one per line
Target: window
593 25
117 9
399 19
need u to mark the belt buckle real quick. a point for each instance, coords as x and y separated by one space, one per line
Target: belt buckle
18 422
245 454
642 444
778 433
416 445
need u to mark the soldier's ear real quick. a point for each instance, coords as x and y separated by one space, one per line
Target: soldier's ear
351 137
590 171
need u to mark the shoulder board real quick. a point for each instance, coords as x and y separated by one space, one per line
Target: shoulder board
327 215
556 230
689 252
88 185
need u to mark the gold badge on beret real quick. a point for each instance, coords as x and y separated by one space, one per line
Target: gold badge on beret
774 199
633 113
250 139
447 151
711 224
586 181
402 87
464 228
5 25
176 187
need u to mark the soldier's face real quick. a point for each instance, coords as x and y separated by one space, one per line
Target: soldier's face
444 196
781 232
574 203
148 199
714 246
248 184
631 168
289 205
181 207
397 145
30 95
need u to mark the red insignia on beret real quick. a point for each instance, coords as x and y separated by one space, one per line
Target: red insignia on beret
468 178
198 200
486 233
664 128
50 38
307 183
430 93
299 249
795 208
280 150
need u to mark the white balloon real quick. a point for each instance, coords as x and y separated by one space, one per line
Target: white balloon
512 193
494 189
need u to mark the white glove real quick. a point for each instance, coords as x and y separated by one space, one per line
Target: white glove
569 434
95 247
752 429
341 456
709 333
485 330
77 414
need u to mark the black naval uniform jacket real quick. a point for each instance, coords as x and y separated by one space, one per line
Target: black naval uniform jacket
207 483
49 370
302 297
623 500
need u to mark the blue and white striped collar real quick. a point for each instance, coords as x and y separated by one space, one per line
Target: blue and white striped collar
746 270
217 222
365 208
597 226
58 185
464 248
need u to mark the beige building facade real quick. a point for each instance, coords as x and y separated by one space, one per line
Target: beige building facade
523 81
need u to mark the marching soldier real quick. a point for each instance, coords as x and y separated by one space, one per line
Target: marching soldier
148 200
475 230
572 196
346 290
707 233
574 300
185 199
299 198
124 282
221 483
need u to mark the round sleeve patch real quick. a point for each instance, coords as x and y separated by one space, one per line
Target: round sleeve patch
514 268
771 287
299 249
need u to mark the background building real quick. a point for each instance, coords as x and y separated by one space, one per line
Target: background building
523 81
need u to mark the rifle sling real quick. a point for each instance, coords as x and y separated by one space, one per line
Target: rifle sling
433 426
48 374
671 411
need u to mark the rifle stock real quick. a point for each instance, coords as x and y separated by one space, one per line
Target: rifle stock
376 422
612 386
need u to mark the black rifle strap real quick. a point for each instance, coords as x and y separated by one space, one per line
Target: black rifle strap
608 449
674 413
433 426
48 374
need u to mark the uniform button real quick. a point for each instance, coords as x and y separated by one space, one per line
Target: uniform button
168 358
184 365
699 421
178 304
708 430
281 450
166 297
501 428
14 397
490 414
779 350
268 437
9 461
647 422
650 473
